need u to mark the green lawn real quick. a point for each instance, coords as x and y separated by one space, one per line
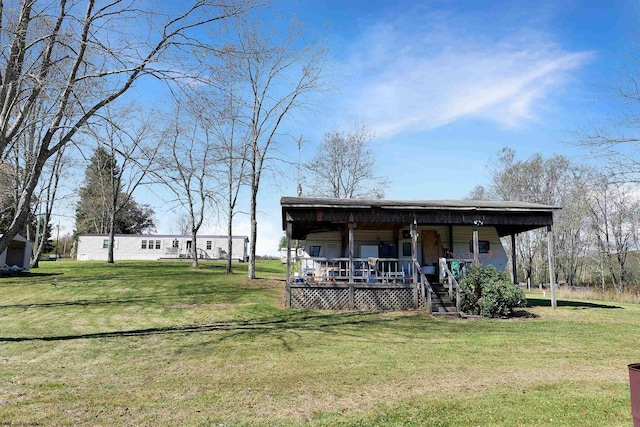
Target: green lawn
159 343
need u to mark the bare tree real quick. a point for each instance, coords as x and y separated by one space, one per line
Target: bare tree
20 158
126 134
344 166
479 192
570 228
280 73
550 181
78 57
224 120
184 224
47 196
185 167
614 219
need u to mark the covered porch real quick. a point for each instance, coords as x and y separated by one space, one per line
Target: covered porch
390 255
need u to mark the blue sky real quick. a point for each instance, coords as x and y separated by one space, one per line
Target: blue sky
445 85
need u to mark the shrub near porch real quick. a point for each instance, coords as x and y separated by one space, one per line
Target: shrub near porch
488 292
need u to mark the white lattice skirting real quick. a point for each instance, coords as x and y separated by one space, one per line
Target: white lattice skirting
337 298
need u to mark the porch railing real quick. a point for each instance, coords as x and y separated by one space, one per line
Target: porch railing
447 276
425 286
365 270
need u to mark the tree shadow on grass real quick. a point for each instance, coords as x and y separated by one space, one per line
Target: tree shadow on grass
32 274
285 322
230 296
538 302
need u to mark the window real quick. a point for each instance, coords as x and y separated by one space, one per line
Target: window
389 250
208 245
483 246
406 249
175 243
158 244
144 244
105 243
314 251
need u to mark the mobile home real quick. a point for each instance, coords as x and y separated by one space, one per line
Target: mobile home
94 247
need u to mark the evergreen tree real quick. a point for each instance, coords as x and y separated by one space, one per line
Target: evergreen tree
94 207
47 231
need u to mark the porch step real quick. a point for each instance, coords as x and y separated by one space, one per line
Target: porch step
441 303
449 314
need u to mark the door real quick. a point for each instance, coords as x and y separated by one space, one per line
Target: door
431 247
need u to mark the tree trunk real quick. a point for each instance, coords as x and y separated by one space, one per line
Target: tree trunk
24 204
35 261
194 251
253 235
112 239
229 269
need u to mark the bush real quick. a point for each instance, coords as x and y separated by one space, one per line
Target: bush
489 293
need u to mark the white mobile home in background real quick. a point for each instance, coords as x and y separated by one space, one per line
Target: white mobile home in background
94 247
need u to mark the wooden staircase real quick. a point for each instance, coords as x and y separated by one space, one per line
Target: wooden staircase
441 303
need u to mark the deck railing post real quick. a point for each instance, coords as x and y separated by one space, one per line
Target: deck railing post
514 265
352 290
414 250
287 297
351 251
476 244
552 271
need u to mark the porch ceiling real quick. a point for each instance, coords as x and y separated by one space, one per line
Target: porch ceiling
309 215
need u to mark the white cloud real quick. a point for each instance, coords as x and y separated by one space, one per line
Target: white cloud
415 81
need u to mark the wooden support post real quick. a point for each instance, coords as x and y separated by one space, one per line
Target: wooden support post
287 297
351 252
352 291
476 245
451 239
414 264
552 270
514 267
414 251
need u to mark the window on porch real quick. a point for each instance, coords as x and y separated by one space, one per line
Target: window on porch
483 246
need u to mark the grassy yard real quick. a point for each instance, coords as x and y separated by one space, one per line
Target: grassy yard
162 344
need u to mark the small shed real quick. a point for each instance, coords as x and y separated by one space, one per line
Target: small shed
18 254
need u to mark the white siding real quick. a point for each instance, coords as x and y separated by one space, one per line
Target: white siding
330 242
462 235
129 247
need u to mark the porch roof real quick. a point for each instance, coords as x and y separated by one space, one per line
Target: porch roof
308 214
